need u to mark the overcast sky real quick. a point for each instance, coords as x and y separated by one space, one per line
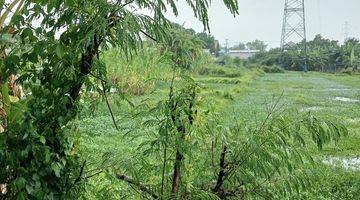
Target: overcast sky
262 19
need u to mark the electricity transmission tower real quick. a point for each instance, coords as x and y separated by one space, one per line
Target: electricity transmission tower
294 26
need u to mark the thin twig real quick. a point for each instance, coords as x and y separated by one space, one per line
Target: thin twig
92 175
108 105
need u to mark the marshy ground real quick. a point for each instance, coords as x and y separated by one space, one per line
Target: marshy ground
328 96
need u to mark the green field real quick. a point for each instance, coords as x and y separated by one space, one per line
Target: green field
311 92
245 98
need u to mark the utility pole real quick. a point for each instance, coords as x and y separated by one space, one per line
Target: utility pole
294 26
227 46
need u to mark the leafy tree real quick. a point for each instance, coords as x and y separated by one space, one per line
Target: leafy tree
182 48
208 42
256 45
240 46
9 90
61 54
323 55
350 56
181 27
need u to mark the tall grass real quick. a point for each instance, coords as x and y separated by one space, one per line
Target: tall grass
138 74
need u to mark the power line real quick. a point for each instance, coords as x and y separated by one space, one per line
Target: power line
319 16
227 46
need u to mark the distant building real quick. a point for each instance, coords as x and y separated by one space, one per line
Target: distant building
242 54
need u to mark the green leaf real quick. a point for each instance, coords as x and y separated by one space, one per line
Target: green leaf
59 51
21 196
56 168
29 189
42 139
6 98
16 112
27 32
20 183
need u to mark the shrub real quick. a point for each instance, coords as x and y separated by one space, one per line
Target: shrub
272 69
348 71
218 71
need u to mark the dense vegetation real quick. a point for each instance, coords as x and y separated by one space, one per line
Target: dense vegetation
322 55
254 45
108 114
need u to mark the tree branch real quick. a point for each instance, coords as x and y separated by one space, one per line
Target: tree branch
138 184
148 35
81 172
108 105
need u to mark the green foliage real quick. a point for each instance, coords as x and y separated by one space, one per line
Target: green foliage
139 74
58 56
219 119
323 55
230 62
272 69
240 46
209 42
267 159
40 151
332 183
257 45
182 48
218 71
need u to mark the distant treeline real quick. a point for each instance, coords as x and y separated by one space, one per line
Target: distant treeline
322 55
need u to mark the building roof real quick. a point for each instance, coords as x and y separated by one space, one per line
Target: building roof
244 51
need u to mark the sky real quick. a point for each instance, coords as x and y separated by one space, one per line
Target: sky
262 19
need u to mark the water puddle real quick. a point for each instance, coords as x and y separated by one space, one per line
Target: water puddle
310 109
346 163
343 89
344 99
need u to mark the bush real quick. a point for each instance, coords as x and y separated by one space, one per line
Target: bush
228 61
217 71
348 71
272 69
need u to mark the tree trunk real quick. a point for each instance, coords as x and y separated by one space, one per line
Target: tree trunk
85 68
177 172
222 173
